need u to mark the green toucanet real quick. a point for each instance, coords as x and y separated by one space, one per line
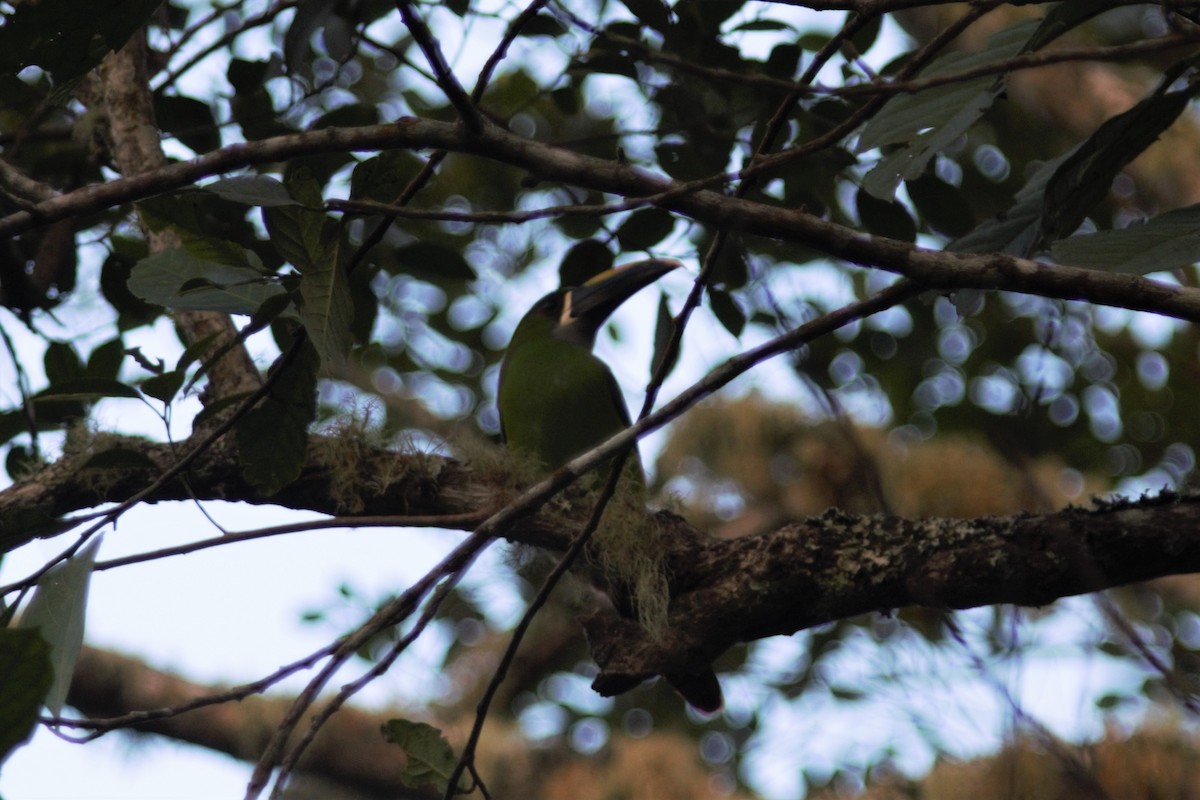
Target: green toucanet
557 400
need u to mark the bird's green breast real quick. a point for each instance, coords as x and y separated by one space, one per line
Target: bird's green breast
557 400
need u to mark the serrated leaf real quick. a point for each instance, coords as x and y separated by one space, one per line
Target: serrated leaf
273 436
925 122
327 311
1015 231
430 758
161 278
1164 242
28 676
58 610
252 190
1084 178
910 161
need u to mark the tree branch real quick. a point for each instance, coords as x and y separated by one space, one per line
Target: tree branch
726 591
933 268
839 565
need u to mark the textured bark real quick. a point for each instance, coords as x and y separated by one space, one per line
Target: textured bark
935 269
351 760
724 591
349 750
120 91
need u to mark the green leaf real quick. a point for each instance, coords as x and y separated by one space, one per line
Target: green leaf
941 204
434 261
727 311
607 62
58 611
384 177
762 25
67 38
300 235
885 217
188 120
543 25
1061 191
327 310
177 279
652 13
251 190
1015 231
105 360
906 115
584 261
61 363
164 387
643 229
310 17
1084 178
664 328
87 389
925 122
273 436
1067 15
1164 242
430 757
19 463
28 676
866 36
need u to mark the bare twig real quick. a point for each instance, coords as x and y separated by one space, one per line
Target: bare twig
221 42
385 521
447 82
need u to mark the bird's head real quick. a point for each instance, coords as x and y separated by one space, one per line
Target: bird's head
574 314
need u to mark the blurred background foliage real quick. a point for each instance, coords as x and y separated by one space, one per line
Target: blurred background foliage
957 405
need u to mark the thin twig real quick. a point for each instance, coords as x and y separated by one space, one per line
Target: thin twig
223 41
173 471
504 217
467 758
447 82
510 35
382 521
392 613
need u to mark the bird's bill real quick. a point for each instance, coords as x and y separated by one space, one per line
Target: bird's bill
602 293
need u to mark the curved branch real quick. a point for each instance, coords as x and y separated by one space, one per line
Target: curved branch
803 574
933 268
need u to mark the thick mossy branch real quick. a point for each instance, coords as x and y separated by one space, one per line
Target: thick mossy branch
722 591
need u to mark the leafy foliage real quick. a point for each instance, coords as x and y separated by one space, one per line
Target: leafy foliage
371 270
